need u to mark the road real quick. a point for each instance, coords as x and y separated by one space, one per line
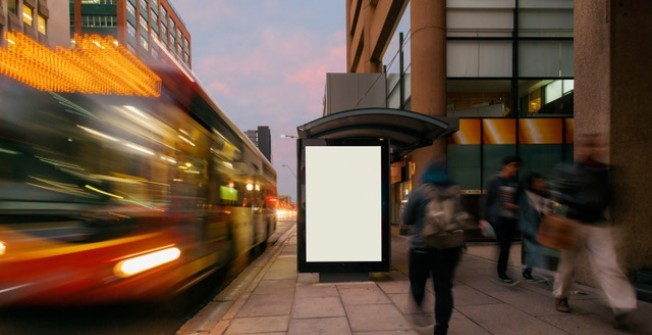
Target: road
152 318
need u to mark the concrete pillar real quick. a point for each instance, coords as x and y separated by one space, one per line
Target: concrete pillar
612 86
631 120
428 74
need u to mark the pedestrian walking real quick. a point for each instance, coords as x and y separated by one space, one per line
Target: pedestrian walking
500 210
534 201
584 187
440 258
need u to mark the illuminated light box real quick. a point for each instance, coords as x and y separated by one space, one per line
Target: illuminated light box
343 221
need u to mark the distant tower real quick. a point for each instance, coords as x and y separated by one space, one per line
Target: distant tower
262 138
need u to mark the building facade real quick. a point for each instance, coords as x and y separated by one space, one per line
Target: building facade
149 28
503 67
37 19
509 70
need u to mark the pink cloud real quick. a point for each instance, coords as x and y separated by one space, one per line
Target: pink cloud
264 62
220 88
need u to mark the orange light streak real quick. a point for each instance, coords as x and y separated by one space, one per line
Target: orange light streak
96 65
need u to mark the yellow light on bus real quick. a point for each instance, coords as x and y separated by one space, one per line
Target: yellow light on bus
96 65
3 248
135 265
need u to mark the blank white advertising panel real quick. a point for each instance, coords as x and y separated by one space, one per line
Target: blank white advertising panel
343 203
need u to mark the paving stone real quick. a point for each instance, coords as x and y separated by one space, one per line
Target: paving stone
504 319
313 307
376 317
369 294
317 290
286 286
258 325
319 326
266 305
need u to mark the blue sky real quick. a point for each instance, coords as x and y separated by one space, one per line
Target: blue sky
264 62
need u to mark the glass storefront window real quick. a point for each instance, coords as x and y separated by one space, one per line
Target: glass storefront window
464 155
478 58
479 23
498 141
545 23
546 58
478 98
545 97
476 150
553 91
557 4
480 4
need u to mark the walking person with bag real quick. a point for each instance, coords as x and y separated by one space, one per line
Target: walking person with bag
533 203
436 250
500 210
584 187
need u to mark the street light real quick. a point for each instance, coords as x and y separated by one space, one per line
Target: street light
292 172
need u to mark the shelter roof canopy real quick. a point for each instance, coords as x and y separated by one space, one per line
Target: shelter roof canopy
405 129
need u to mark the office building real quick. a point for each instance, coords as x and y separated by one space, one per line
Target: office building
151 29
36 19
510 71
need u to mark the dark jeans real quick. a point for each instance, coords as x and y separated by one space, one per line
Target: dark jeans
505 230
440 265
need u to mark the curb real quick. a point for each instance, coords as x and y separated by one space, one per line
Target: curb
216 316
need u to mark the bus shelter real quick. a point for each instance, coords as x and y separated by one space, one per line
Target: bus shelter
343 186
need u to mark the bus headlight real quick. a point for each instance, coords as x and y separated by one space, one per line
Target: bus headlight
135 265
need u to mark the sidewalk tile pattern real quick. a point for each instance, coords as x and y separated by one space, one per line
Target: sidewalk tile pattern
282 301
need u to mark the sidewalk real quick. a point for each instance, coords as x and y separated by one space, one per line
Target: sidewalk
270 297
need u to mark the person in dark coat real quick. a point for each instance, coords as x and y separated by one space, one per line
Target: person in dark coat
500 210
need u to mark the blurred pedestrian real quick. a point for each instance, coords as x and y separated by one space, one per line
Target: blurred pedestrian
500 210
533 202
584 187
424 259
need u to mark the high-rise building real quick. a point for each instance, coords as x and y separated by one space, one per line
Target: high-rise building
149 28
262 138
36 19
